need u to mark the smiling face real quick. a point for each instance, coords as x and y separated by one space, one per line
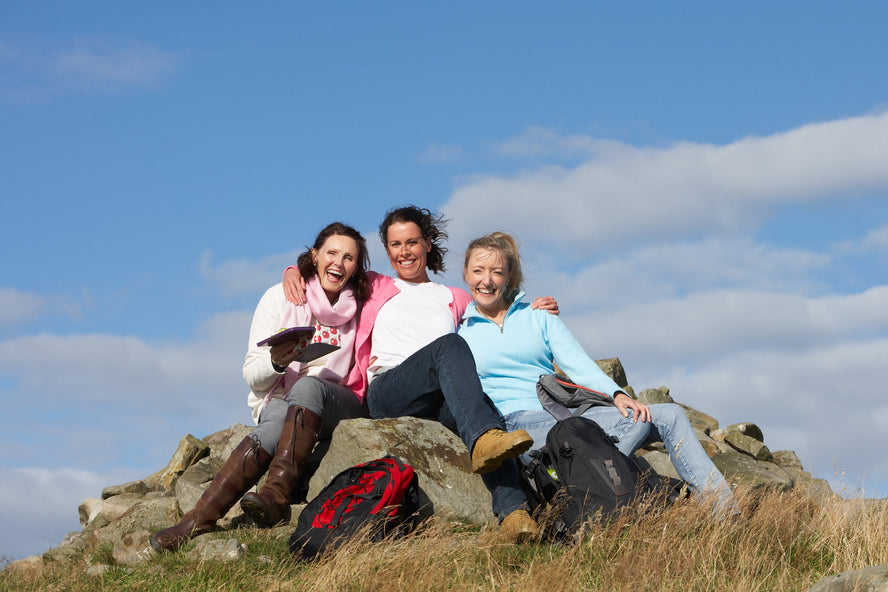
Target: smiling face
335 261
487 275
408 251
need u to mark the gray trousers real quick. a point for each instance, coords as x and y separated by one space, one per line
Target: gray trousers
333 402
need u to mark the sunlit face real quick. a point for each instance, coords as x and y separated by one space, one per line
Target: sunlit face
335 263
408 251
486 275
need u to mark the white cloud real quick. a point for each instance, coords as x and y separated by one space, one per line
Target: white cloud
98 367
136 64
17 307
35 70
877 239
685 190
242 276
38 506
825 403
436 152
540 141
716 323
105 399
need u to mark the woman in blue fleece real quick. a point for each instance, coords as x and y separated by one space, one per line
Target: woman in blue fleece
513 345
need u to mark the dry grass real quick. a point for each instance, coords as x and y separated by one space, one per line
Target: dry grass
785 542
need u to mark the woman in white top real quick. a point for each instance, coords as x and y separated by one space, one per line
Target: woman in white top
291 401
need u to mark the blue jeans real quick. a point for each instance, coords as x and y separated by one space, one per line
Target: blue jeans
669 425
440 382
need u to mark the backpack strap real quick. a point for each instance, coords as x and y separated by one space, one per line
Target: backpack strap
554 388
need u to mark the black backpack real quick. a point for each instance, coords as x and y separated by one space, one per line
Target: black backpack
581 474
381 495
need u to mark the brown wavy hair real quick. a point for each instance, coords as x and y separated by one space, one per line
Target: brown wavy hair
358 282
430 224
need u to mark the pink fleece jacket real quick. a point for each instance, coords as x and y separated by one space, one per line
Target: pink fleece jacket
382 289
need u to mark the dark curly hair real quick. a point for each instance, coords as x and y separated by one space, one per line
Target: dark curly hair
358 282
430 224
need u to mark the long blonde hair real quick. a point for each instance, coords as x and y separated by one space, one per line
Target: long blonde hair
507 247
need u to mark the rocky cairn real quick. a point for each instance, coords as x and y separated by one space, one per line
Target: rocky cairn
124 517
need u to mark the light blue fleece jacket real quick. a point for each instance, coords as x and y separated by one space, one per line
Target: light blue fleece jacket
510 361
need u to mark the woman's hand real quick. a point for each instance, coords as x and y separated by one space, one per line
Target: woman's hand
283 354
294 286
545 303
640 410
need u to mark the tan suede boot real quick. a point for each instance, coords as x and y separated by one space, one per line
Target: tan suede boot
240 472
495 446
271 504
519 527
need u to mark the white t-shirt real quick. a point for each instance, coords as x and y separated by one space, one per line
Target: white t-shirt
409 321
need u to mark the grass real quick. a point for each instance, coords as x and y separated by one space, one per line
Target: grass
785 542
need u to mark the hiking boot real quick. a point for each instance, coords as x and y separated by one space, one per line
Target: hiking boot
519 527
240 472
271 505
495 446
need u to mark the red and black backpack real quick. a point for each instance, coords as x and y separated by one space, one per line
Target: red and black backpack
380 495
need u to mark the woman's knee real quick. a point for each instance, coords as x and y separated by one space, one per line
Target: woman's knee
308 392
667 413
452 341
453 347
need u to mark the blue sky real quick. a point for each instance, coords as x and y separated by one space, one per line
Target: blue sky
703 187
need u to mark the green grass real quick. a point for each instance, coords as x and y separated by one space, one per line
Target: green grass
785 542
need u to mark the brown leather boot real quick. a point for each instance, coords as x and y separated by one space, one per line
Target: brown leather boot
272 504
240 472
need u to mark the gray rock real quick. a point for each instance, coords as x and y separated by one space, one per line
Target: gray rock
869 579
650 396
71 547
89 509
132 548
711 446
187 494
740 468
98 569
203 470
787 459
748 445
440 459
31 566
145 513
223 442
137 487
217 550
189 451
658 461
747 429
614 368
700 420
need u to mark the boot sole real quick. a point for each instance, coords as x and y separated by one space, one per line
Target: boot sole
257 511
486 464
